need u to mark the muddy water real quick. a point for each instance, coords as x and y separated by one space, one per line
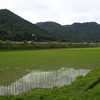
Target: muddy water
43 79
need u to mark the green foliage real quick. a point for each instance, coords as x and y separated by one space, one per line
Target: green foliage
1 41
77 32
79 76
57 30
25 42
32 42
84 32
8 42
10 45
15 28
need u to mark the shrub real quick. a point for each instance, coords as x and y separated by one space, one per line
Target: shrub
8 42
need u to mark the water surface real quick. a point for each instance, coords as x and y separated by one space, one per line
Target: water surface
43 79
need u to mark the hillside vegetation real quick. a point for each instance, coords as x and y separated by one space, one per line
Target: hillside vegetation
87 32
77 32
74 91
15 28
56 29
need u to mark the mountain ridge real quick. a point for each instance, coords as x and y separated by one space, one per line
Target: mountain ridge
78 32
54 28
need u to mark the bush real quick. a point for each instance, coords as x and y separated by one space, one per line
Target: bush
8 42
25 42
1 42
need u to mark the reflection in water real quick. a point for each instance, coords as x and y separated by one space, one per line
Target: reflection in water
42 79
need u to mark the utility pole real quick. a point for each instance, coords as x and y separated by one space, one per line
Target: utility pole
34 36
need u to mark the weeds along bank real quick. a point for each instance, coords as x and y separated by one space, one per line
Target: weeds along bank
43 45
74 91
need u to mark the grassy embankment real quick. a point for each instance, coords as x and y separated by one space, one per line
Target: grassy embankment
8 45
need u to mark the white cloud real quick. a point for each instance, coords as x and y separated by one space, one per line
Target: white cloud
61 11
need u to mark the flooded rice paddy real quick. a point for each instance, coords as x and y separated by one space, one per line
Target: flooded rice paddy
43 79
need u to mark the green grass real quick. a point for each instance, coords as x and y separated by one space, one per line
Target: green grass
15 64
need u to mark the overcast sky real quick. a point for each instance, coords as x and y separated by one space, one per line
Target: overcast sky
63 12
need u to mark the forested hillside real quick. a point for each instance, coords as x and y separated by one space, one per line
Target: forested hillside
57 30
89 32
15 28
77 32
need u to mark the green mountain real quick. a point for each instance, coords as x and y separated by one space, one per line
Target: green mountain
15 28
77 32
56 29
89 31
